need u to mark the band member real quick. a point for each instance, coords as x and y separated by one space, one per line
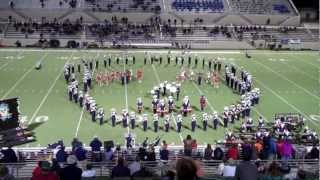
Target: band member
81 99
97 64
109 61
100 115
93 110
185 106
171 104
155 122
145 122
215 119
193 122
205 118
168 59
75 94
167 123
139 105
124 118
113 117
202 102
189 60
179 123
155 102
261 122
162 107
70 92
249 125
133 120
79 68
225 117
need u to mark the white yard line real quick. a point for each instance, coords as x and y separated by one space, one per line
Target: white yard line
175 123
4 65
285 78
83 108
21 78
298 70
284 100
158 79
47 94
126 94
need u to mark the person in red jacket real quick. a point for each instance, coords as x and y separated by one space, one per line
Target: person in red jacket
233 152
202 102
43 172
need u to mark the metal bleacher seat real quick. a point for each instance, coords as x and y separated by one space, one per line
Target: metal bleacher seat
261 6
198 5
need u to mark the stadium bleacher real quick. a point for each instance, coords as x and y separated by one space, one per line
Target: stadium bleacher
262 6
214 6
123 6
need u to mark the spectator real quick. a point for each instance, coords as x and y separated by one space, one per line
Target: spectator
71 171
229 169
108 154
120 170
246 170
164 153
4 173
55 167
218 153
81 155
194 146
96 145
61 155
135 166
314 153
286 150
271 151
9 155
186 169
233 152
44 172
143 173
273 172
247 149
89 173
208 152
151 154
75 143
187 145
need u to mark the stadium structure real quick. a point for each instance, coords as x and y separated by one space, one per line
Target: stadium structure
214 84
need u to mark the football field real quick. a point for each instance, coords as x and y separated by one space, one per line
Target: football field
288 81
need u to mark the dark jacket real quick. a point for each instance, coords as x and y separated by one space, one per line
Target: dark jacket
71 172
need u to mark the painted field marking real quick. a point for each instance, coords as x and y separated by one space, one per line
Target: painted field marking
285 78
47 94
126 94
158 79
4 65
283 100
298 70
83 108
22 77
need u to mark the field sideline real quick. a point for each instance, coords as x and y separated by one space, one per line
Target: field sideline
289 82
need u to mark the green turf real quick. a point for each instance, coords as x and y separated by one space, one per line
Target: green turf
288 85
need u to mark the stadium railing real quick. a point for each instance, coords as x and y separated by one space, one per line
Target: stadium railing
159 168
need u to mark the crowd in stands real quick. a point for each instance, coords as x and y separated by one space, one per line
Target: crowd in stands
124 6
189 165
66 27
45 3
198 5
122 28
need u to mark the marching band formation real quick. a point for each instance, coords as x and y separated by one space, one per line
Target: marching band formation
164 96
